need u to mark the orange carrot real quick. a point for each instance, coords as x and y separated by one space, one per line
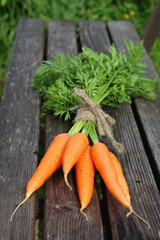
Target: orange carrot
75 146
103 162
85 172
124 186
51 161
121 178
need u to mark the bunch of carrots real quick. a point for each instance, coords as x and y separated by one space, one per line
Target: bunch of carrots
73 149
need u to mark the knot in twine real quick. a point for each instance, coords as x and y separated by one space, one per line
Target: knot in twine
90 110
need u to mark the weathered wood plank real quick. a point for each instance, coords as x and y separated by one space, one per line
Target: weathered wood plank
152 28
92 35
62 217
148 111
120 31
143 190
141 182
19 130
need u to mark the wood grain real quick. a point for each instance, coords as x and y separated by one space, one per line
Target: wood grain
135 164
19 131
62 217
92 34
148 111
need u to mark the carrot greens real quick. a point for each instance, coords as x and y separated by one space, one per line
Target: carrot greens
107 79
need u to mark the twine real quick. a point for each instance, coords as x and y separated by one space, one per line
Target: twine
90 110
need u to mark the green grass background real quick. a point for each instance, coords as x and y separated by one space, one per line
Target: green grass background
12 10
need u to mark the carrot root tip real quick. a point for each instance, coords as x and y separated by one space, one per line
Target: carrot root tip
26 198
81 210
142 219
130 212
66 181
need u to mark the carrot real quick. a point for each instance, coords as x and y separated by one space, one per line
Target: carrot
75 146
51 161
104 164
85 172
121 178
123 184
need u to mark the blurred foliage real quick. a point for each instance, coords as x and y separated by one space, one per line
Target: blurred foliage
155 54
11 11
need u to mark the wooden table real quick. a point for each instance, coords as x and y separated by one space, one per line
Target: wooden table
137 127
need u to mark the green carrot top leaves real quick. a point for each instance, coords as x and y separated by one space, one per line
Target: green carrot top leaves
107 79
